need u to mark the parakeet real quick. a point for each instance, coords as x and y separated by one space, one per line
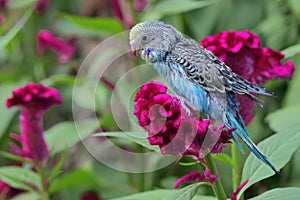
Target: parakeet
198 76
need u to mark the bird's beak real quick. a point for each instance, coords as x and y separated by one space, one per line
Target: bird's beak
134 47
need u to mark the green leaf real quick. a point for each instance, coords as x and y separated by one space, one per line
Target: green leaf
293 95
289 193
26 196
279 148
170 7
59 79
294 6
187 164
186 193
4 40
12 156
67 134
56 169
20 4
87 26
284 118
136 137
75 178
291 51
17 177
224 158
6 114
149 195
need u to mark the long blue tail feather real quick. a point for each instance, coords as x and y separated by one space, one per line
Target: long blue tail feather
232 119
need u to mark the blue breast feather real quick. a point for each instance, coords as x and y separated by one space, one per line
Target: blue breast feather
174 75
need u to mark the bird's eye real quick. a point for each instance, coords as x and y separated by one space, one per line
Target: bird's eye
144 37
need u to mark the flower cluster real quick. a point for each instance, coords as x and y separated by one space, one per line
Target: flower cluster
171 128
197 176
46 39
241 51
34 100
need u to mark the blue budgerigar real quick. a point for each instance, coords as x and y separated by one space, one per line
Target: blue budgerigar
198 76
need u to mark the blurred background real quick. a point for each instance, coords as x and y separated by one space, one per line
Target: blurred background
83 24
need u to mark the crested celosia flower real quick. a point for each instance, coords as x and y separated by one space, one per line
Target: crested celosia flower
171 128
140 5
241 51
33 99
197 176
233 196
41 6
64 50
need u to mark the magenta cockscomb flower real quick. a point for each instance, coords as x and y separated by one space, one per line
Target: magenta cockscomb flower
33 99
46 39
197 176
171 128
121 10
233 196
140 5
41 6
242 52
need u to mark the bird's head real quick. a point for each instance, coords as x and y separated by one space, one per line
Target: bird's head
153 34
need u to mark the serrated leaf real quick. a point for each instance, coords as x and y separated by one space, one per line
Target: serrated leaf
284 118
170 7
290 193
279 148
17 177
67 134
186 193
139 138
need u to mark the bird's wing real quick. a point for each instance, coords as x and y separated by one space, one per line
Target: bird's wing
203 67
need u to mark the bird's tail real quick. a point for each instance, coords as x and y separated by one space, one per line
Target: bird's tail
232 119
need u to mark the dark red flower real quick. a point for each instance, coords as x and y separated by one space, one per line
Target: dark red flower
233 196
3 3
41 6
171 128
7 192
241 51
140 5
197 176
34 100
64 50
89 195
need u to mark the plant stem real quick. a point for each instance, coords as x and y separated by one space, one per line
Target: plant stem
217 187
236 171
44 192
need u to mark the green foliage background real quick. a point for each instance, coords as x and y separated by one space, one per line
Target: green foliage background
276 22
